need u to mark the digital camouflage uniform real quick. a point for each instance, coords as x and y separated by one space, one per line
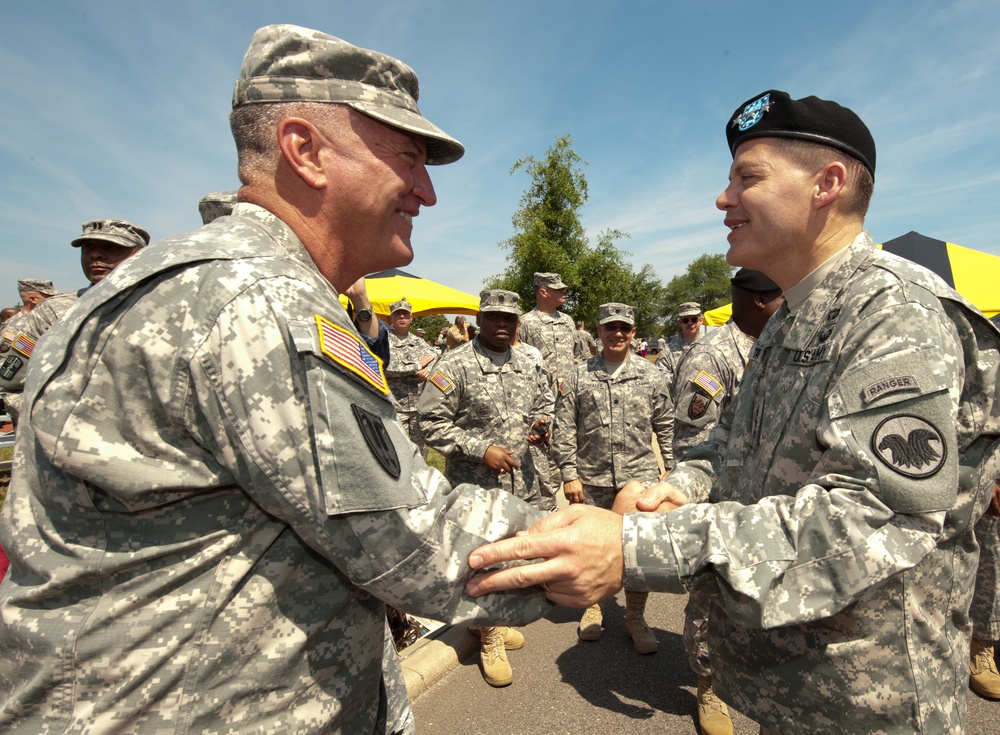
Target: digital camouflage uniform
679 346
212 503
405 354
708 378
584 347
14 354
470 403
604 425
845 564
985 610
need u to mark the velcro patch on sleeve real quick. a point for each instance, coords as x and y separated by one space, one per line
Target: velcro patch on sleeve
349 352
707 383
441 382
24 344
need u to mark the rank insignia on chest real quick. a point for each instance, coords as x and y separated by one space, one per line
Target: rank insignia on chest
698 406
561 386
347 351
441 382
707 383
24 344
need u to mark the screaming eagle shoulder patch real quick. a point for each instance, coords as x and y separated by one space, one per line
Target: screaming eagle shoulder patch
347 351
909 445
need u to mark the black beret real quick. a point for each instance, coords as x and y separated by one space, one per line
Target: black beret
773 114
753 281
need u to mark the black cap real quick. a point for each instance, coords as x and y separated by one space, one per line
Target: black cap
753 281
773 114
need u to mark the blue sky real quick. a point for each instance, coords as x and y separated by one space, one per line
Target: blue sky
119 109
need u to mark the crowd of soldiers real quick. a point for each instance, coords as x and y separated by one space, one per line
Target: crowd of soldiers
220 481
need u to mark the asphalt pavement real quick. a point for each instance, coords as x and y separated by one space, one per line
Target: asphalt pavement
565 686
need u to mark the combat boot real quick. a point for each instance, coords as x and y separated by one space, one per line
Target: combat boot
512 638
493 656
643 639
983 676
713 714
590 624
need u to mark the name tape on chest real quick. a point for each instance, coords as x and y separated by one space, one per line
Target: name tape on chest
348 351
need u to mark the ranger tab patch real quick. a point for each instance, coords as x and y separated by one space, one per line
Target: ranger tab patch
707 383
441 382
909 445
347 350
378 440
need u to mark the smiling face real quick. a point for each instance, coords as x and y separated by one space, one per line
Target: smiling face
615 340
690 326
100 257
497 329
767 206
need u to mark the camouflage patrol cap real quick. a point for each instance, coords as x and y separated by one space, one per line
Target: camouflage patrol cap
689 308
287 63
215 205
549 280
616 313
401 305
45 288
116 231
496 299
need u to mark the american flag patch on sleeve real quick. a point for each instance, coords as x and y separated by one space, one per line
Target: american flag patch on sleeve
441 381
24 344
347 350
707 383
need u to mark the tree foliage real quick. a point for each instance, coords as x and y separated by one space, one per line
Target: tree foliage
705 281
432 324
549 237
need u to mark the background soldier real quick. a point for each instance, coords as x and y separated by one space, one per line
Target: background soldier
482 407
15 347
985 610
585 346
690 319
708 379
409 357
611 407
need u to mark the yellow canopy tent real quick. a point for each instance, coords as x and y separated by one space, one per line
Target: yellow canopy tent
972 273
427 297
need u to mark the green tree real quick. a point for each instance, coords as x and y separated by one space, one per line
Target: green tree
432 324
549 237
705 281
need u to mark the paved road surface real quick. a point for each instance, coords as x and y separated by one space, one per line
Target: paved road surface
563 686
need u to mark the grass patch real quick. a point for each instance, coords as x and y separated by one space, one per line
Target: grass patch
436 460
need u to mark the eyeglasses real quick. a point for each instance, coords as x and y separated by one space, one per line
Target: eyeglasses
690 319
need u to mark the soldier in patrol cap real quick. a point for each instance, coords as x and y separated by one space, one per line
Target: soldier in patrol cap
611 406
482 407
850 469
407 371
14 348
707 380
214 501
690 319
104 244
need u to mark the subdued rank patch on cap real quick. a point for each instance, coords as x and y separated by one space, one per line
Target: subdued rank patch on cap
217 204
549 280
441 381
496 299
287 63
401 305
348 351
45 288
615 312
707 383
697 406
116 231
689 308
909 445
774 114
378 440
23 344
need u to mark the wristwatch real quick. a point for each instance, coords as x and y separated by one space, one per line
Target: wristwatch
363 315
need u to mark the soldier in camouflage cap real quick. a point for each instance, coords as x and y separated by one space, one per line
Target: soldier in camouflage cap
610 407
850 469
407 371
213 501
15 348
691 321
484 404
104 244
215 205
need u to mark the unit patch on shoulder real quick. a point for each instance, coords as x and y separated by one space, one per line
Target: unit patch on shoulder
441 382
24 344
347 350
10 366
909 445
707 383
698 406
377 437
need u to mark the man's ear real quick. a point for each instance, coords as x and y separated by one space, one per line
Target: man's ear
301 146
831 184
